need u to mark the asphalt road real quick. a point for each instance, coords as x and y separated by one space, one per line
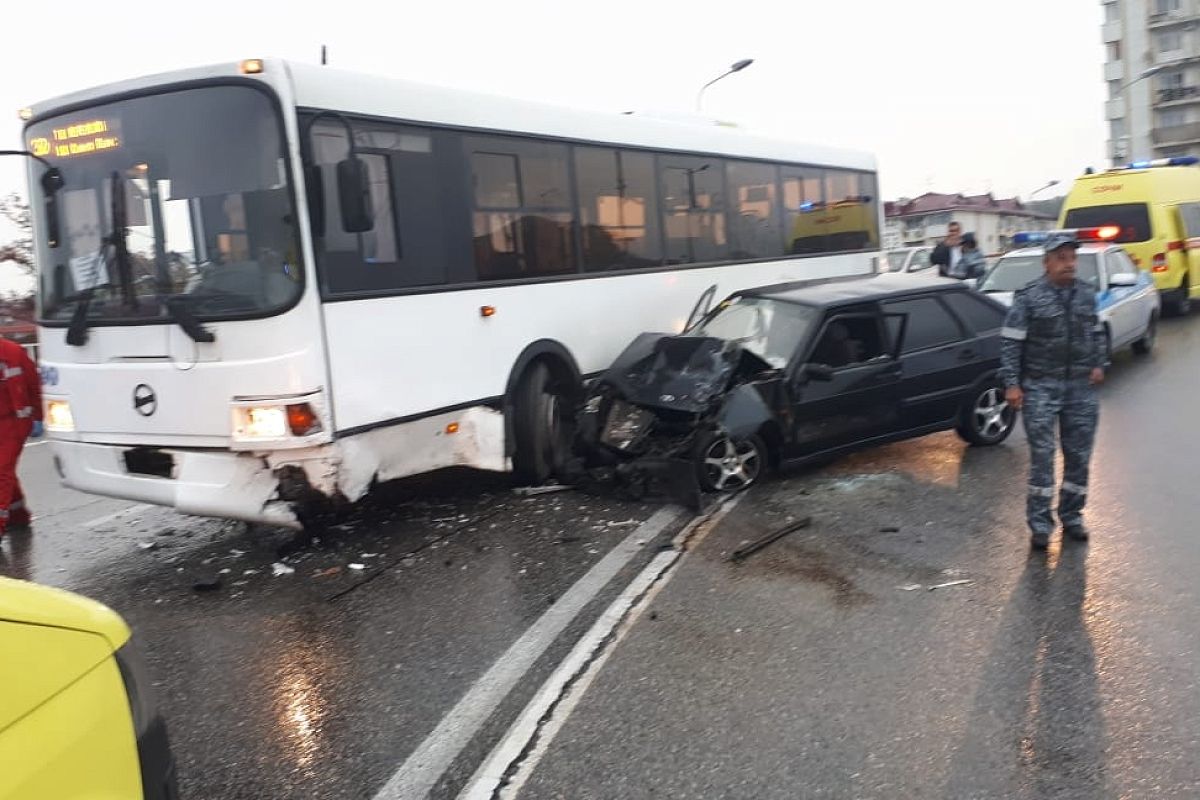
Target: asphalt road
488 628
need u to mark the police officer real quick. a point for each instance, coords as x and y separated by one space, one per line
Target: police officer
1053 356
20 415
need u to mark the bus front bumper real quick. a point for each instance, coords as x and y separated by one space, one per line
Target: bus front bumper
207 483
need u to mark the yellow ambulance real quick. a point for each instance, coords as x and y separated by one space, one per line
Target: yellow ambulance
1156 206
77 712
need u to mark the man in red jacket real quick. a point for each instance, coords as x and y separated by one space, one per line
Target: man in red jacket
20 411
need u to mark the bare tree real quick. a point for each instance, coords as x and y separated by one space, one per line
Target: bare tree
19 250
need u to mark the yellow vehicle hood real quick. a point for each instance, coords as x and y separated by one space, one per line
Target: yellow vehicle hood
32 604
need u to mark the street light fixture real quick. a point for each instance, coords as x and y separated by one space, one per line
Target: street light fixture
737 66
1042 189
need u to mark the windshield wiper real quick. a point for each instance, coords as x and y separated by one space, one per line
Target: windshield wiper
180 308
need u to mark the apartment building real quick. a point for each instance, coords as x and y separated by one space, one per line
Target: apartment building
1152 67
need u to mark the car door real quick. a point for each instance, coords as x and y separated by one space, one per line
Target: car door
1131 304
936 361
843 390
919 261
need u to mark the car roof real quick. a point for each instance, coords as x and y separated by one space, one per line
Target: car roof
856 289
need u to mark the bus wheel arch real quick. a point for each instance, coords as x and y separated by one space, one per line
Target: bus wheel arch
543 392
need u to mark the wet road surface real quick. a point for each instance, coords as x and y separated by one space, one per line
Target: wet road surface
822 666
831 670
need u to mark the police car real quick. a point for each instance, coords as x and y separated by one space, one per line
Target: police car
1126 298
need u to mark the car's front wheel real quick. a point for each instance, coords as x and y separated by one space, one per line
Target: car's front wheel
987 418
1144 345
727 465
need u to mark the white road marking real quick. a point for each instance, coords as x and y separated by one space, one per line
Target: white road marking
422 770
124 512
533 725
36 444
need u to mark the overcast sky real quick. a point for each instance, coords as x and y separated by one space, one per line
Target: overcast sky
951 95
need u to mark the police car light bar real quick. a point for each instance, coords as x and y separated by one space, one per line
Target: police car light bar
1102 233
1176 161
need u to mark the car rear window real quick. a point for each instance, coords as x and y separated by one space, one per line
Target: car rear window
1132 218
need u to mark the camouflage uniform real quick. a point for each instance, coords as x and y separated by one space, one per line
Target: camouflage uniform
1052 340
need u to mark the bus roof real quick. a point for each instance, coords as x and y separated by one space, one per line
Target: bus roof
312 86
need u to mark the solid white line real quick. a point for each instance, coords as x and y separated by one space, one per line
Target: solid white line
36 444
426 765
124 512
554 697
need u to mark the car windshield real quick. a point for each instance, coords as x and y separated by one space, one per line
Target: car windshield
1015 272
1132 218
896 259
203 198
771 329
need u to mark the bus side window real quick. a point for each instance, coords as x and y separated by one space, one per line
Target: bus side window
754 218
618 210
693 208
411 199
521 211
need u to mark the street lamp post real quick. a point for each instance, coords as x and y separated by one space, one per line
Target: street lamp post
735 67
1035 192
1149 72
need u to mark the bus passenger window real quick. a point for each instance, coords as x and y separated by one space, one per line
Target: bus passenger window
693 206
618 212
754 220
522 215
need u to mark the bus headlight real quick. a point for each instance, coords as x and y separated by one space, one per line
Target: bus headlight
264 423
58 416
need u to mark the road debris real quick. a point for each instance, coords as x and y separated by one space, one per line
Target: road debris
357 567
279 568
758 544
208 583
148 545
534 491
327 573
629 523
948 584
890 529
911 587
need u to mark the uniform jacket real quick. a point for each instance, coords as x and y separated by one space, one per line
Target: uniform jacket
20 384
1049 336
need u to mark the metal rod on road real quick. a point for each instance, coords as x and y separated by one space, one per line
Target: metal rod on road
759 544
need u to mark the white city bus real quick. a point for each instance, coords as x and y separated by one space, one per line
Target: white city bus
267 283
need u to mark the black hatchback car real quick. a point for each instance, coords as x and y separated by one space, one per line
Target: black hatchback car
803 371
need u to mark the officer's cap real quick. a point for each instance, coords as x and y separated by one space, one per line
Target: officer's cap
1060 239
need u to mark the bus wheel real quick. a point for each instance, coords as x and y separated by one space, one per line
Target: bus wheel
543 426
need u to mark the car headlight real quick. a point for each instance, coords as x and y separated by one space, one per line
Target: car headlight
265 423
58 416
626 425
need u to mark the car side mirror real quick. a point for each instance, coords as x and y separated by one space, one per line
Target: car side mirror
1123 279
354 195
817 372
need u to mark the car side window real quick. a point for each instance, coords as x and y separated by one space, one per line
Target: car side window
848 341
1120 262
920 261
977 314
929 324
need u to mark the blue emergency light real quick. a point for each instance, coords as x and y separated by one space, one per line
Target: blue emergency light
1027 238
1175 161
1102 233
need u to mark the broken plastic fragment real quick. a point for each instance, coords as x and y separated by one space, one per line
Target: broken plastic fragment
279 568
533 491
948 584
357 567
148 545
910 587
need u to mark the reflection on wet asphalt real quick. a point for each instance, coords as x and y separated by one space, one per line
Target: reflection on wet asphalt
823 666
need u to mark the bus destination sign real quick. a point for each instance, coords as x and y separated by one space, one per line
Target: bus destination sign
78 139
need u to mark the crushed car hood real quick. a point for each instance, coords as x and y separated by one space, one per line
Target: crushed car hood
679 373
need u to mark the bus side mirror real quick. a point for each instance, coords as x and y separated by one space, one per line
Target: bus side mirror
52 182
354 195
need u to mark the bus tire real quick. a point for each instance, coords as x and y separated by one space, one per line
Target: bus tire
542 426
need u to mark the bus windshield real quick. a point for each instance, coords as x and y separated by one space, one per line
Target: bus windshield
204 211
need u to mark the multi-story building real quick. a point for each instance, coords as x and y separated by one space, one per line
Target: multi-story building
1152 66
923 220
